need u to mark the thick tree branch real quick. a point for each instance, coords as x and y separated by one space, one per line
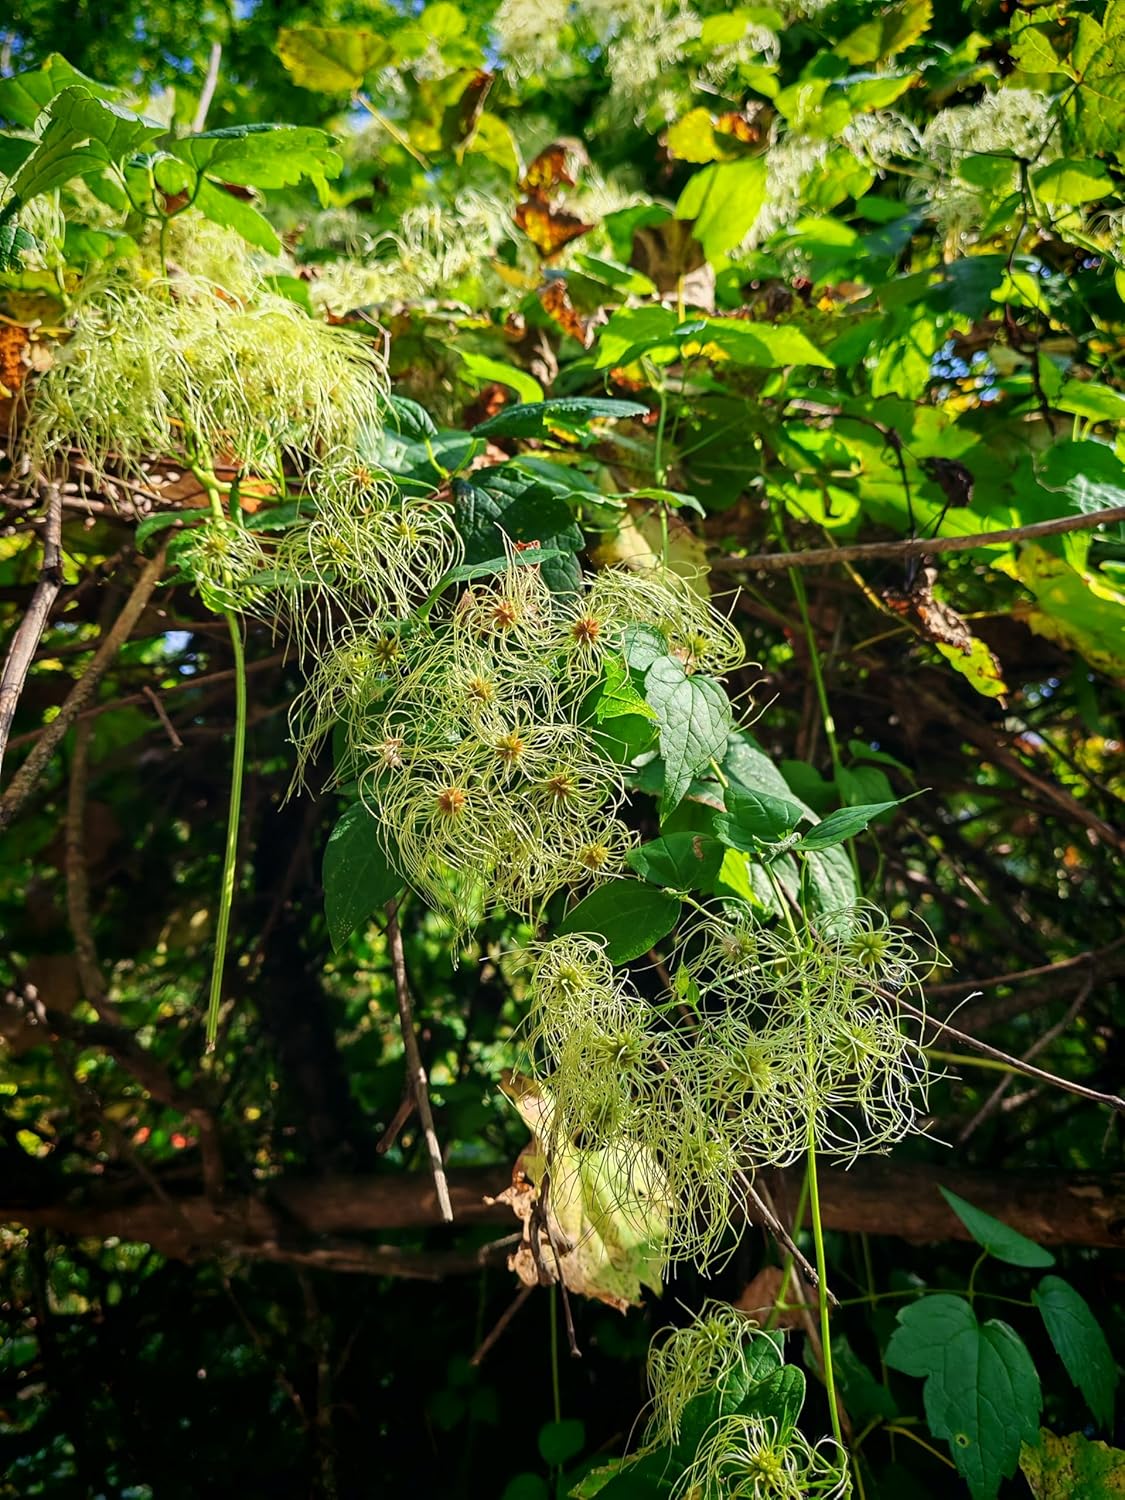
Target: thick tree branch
875 1197
81 693
25 642
814 557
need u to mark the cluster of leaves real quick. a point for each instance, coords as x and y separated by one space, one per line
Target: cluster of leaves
870 279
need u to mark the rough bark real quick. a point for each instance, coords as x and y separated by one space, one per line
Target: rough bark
311 1220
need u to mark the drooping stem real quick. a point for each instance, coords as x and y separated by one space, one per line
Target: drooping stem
821 1291
818 676
25 642
415 1068
230 856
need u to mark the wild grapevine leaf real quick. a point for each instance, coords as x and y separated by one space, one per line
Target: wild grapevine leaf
982 1391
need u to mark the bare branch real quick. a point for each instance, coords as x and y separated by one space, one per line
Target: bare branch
81 693
25 642
416 1073
814 557
207 93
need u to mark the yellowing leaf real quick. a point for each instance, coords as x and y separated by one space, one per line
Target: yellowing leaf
897 28
608 1218
1082 611
977 665
1060 1468
331 59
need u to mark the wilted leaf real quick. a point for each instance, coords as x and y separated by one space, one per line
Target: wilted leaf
1072 1468
607 1214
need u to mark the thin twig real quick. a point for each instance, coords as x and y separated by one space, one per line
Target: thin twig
992 1103
491 1339
398 1120
1015 976
1005 1057
149 1072
81 693
416 1072
209 86
25 642
184 685
779 1231
161 714
773 562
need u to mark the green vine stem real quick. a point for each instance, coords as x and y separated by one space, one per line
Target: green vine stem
822 1292
230 857
822 1289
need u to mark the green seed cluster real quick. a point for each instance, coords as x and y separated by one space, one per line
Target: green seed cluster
181 368
471 738
803 1034
740 1453
794 1039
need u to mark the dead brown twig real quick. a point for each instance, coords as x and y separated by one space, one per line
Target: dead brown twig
814 557
415 1071
81 693
147 1070
25 642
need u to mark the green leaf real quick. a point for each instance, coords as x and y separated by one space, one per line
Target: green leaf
14 151
680 861
631 915
633 331
779 1396
1080 1344
1072 1468
997 1238
863 1396
15 243
561 1441
532 557
723 202
82 134
1067 181
331 59
982 1392
639 1476
616 695
410 419
534 419
160 521
693 715
767 345
358 876
263 156
895 29
1080 609
481 369
25 96
694 138
502 504
755 818
845 823
526 1487
235 213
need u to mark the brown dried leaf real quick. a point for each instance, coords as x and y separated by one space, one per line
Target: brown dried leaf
547 228
556 303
